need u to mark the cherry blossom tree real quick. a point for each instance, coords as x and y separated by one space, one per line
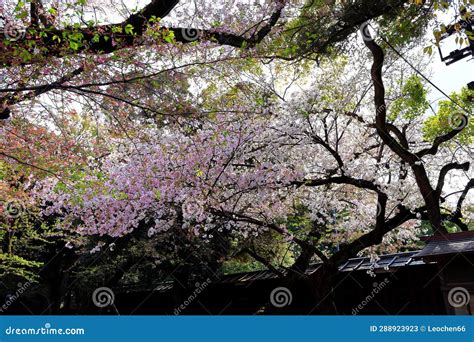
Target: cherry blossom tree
226 125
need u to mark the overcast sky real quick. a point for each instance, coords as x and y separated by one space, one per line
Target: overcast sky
451 77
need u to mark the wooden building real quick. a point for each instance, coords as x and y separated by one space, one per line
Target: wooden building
437 280
454 257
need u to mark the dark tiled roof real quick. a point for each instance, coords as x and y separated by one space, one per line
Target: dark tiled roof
448 245
159 287
385 263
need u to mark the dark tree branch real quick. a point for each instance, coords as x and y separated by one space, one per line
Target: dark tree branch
333 152
30 165
38 15
353 16
112 37
360 183
244 218
430 195
469 186
402 139
373 237
9 100
380 106
444 171
456 216
441 139
263 261
456 220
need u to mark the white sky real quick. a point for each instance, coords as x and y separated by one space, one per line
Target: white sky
451 77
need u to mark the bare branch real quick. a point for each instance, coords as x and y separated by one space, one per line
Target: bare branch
443 138
360 183
244 218
112 38
7 101
444 171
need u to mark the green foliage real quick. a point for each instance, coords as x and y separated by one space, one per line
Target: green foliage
19 246
14 265
404 26
450 117
413 102
269 246
241 265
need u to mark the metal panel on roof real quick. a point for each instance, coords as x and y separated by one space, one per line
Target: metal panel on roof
385 262
389 261
444 247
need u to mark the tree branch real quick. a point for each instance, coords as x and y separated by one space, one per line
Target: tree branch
444 171
430 196
443 138
37 14
105 39
244 218
360 183
373 237
263 261
9 100
469 186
